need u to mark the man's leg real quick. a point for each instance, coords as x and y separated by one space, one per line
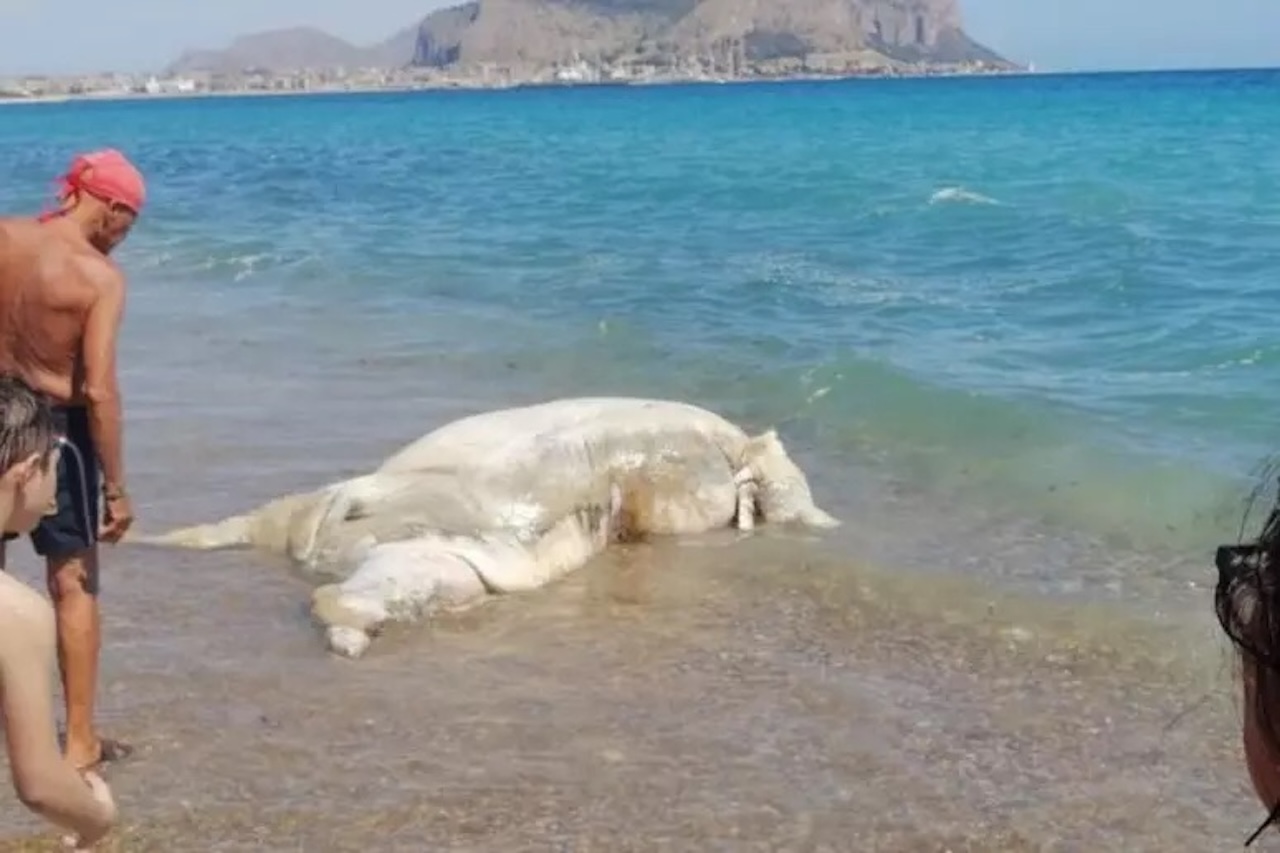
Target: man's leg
68 540
73 586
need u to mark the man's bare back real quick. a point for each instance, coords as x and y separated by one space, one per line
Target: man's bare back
50 280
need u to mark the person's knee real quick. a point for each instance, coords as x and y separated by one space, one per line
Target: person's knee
74 575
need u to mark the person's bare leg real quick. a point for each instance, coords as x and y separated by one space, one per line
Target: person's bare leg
73 588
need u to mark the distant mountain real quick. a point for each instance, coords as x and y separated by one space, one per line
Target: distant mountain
297 48
535 33
539 32
397 51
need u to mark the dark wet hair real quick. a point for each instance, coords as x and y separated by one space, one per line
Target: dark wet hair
1247 603
26 423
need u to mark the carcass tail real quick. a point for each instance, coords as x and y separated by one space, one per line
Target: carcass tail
228 533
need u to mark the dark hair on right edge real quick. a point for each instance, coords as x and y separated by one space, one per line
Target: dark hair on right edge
1247 603
26 423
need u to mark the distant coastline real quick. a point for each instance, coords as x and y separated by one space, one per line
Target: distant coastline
126 94
113 87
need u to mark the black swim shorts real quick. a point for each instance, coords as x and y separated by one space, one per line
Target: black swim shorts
73 528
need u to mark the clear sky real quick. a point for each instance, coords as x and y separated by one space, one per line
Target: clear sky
88 35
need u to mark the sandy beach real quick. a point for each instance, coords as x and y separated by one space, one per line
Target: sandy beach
713 695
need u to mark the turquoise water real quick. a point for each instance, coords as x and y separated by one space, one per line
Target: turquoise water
1045 296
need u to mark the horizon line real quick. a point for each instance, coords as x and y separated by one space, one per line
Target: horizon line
1027 67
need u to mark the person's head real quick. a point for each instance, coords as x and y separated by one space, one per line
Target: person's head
104 193
1247 602
29 448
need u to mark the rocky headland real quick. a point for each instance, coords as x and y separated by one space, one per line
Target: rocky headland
529 41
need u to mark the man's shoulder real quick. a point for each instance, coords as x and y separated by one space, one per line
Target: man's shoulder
19 228
25 235
98 269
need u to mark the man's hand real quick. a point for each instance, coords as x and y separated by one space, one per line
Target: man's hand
102 794
117 518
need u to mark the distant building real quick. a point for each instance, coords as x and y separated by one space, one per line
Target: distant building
179 85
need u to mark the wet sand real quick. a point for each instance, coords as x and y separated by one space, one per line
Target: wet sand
757 695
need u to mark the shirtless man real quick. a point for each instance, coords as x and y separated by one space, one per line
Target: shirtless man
61 304
45 781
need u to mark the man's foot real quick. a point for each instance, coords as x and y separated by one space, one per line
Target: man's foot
108 752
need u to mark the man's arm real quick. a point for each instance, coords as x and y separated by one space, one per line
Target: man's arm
101 384
46 783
